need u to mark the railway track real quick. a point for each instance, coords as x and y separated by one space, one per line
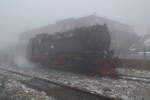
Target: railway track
125 77
117 76
62 90
120 76
97 87
134 78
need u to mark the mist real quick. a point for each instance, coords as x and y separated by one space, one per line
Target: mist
18 16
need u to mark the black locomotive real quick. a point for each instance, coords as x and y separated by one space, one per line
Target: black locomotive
85 48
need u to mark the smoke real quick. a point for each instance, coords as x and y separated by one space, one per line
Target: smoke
20 60
15 54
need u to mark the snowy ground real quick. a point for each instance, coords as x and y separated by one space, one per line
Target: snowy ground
128 90
11 89
134 72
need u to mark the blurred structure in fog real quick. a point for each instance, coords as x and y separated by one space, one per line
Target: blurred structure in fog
122 35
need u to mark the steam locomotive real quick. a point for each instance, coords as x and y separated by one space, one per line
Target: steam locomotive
86 49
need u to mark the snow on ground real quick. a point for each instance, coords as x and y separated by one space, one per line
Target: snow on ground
134 72
11 89
128 90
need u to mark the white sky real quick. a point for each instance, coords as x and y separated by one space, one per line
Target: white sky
20 15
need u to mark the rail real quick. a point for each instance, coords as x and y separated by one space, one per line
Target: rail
34 81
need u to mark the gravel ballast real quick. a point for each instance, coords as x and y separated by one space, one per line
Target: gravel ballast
115 88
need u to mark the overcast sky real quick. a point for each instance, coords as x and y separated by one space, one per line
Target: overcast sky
20 15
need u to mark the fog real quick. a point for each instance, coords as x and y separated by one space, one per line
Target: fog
17 16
